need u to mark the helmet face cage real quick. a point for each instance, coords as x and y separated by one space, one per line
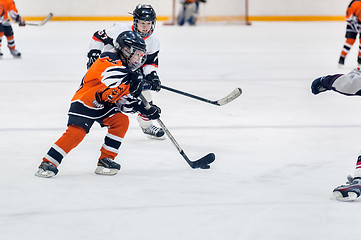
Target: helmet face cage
144 13
134 56
132 48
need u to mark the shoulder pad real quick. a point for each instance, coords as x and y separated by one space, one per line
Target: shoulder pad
111 55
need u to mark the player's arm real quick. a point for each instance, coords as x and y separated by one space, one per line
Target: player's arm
14 14
347 84
150 71
98 41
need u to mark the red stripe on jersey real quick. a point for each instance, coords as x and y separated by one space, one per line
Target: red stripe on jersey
96 39
154 65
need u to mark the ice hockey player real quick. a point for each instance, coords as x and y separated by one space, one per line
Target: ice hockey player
350 85
189 12
353 20
7 7
108 90
144 20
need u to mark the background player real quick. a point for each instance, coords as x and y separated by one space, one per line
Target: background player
144 20
353 20
350 85
7 7
189 12
109 89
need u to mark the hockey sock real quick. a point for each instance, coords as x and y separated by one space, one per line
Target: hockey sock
358 167
118 126
68 141
11 42
347 46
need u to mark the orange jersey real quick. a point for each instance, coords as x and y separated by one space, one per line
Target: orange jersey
354 10
108 79
8 7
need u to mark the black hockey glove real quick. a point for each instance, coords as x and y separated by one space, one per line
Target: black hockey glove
153 80
20 21
93 55
136 83
324 83
152 113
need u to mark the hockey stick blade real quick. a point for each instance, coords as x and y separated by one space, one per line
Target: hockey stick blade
47 19
204 161
230 97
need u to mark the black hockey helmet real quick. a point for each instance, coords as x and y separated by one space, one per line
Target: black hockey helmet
144 12
131 46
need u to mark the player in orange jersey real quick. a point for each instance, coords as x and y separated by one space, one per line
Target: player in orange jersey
353 20
189 12
108 90
7 7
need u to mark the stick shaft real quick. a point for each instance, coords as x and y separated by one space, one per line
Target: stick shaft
189 95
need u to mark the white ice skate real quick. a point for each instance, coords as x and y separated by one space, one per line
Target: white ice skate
46 170
348 192
15 53
107 166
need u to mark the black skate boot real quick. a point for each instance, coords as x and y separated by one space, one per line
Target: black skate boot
341 61
107 166
154 132
46 170
350 191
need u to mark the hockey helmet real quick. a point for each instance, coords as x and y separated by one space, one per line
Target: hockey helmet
144 12
131 46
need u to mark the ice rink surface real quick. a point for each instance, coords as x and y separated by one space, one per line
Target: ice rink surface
280 151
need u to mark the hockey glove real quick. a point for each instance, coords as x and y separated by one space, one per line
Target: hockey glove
136 83
318 86
152 113
153 80
93 55
20 20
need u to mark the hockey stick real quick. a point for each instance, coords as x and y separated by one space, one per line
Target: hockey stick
229 98
47 19
200 163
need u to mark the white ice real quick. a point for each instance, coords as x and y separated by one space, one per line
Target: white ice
280 150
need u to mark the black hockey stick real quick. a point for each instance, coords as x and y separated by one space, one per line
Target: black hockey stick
200 163
229 98
47 19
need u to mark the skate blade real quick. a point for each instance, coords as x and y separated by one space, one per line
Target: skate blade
156 138
338 196
44 174
106 171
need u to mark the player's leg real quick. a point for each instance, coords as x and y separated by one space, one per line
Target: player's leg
359 52
117 127
350 40
9 33
352 189
2 31
68 141
147 126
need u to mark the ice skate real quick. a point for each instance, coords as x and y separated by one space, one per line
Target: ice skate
107 166
46 170
341 62
350 191
154 132
15 53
